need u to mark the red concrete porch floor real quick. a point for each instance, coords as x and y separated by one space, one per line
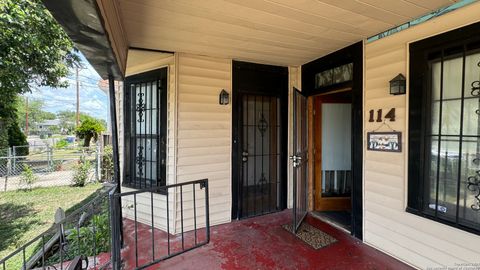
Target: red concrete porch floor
255 243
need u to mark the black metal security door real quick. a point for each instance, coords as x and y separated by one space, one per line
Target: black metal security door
259 135
260 143
299 158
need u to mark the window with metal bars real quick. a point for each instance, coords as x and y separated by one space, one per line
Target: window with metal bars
444 128
145 111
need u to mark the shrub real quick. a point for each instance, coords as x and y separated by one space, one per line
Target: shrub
17 138
107 163
61 144
88 129
28 177
81 241
80 175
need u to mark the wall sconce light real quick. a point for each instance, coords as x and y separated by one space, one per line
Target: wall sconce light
224 97
398 85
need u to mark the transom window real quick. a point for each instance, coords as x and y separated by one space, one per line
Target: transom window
444 156
336 75
145 129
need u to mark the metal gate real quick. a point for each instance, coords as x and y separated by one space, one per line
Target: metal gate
299 158
260 133
158 223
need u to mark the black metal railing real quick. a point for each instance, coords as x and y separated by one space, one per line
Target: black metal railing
84 233
142 223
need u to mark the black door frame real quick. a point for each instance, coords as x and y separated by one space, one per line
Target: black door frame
251 78
351 54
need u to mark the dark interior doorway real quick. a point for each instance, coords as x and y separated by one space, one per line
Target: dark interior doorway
259 172
342 70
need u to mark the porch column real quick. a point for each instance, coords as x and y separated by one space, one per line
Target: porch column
113 119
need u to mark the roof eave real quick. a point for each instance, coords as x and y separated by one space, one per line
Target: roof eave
83 23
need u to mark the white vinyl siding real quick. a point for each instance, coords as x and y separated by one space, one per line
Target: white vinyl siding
418 241
204 136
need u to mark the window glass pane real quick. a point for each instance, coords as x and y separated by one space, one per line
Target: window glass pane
338 74
154 95
452 78
324 78
471 120
451 110
446 176
435 117
436 79
343 73
431 173
151 170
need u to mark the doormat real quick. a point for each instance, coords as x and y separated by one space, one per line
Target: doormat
311 235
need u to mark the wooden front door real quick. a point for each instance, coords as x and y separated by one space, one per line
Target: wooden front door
333 151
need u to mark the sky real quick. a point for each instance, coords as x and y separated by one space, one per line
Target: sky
93 100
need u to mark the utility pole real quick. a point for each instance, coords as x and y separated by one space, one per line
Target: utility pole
78 97
26 116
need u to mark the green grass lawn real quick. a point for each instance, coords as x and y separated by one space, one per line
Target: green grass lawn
26 214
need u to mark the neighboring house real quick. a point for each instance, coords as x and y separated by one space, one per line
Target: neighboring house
45 125
419 203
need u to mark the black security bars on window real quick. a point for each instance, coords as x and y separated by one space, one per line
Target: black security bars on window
145 129
444 132
447 159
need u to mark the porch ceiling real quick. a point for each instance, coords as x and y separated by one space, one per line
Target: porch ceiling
282 32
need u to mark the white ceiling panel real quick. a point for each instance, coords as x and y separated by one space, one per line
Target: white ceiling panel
282 32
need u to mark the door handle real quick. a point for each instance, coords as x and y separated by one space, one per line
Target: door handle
244 156
296 160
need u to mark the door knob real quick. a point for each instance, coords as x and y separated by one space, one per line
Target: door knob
244 156
296 160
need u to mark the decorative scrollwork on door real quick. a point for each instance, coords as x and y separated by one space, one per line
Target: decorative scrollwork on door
475 88
262 125
473 182
140 160
140 108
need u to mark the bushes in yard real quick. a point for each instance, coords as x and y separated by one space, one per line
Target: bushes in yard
61 144
107 164
28 177
82 170
82 241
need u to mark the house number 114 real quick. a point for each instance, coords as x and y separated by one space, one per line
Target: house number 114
390 115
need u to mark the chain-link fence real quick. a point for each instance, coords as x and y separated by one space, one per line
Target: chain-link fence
41 166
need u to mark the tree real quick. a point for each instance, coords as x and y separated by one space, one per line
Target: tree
17 138
88 129
33 47
34 50
36 114
68 119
